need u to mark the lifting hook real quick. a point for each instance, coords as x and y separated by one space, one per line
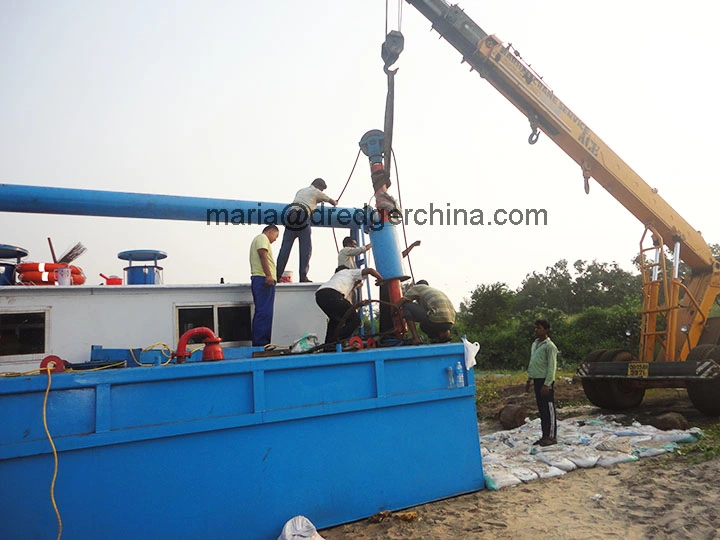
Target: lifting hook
391 49
535 135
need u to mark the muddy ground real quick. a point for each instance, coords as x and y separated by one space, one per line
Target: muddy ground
570 401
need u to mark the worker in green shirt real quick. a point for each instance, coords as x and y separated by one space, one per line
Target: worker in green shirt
541 375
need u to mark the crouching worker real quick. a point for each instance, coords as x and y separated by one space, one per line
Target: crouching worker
429 307
333 298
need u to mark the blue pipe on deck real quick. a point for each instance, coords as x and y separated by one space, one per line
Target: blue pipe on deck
87 202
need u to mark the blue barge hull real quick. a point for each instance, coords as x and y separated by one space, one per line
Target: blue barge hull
233 449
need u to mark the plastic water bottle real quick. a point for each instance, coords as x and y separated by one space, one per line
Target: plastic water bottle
459 376
450 377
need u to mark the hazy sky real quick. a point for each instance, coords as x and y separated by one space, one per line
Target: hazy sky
252 100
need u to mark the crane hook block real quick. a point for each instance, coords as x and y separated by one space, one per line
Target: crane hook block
391 49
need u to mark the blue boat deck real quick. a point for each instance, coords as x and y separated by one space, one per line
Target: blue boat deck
233 449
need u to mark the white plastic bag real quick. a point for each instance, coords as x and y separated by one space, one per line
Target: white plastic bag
471 349
299 528
305 343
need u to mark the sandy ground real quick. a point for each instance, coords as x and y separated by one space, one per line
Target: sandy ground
664 497
654 498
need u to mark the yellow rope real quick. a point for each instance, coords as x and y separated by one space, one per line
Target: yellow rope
55 456
19 374
164 347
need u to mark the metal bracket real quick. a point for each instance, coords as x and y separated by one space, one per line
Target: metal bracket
586 176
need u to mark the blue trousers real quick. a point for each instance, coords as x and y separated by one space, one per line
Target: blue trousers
264 300
305 238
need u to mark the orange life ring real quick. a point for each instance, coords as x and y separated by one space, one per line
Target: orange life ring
48 278
45 267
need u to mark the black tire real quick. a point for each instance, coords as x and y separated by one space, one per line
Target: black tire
705 395
614 394
622 394
593 391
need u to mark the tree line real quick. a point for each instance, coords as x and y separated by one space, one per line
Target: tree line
593 305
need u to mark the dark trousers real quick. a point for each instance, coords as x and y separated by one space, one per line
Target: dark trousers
335 306
264 300
305 240
546 407
416 313
386 312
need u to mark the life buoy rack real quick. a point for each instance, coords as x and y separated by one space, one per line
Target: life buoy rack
44 273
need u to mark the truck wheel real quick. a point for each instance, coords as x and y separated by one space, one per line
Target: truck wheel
618 394
593 391
705 395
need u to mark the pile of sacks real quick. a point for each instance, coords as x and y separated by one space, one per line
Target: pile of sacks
509 457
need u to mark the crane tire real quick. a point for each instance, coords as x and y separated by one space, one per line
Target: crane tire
590 386
705 395
616 394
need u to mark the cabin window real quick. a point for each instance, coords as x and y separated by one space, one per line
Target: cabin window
234 323
230 322
22 333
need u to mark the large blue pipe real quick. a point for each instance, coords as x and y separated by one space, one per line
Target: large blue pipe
88 202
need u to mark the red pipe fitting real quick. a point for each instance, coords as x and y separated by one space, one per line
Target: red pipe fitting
212 351
56 364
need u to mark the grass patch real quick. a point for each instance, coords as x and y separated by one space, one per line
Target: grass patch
706 448
488 385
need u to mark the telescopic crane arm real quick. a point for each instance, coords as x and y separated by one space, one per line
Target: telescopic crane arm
517 82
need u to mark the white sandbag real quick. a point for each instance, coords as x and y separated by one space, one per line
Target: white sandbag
525 474
493 458
626 432
499 477
610 458
613 445
546 471
555 460
584 458
650 452
634 441
675 436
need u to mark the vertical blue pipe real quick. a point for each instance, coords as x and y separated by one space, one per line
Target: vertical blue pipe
386 251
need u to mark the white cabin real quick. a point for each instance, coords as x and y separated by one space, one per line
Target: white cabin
68 321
